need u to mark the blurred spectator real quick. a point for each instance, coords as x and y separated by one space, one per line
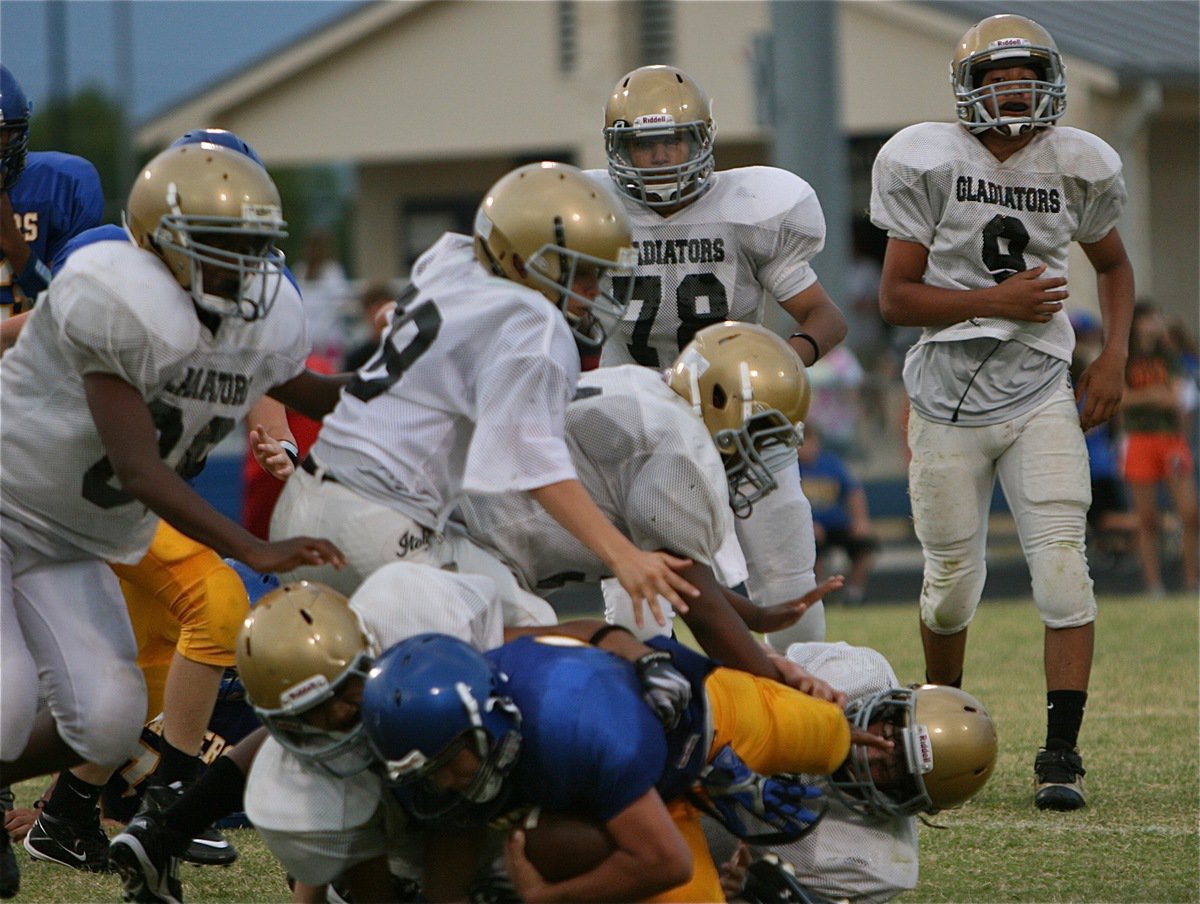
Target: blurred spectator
327 295
1156 451
841 519
259 489
835 380
1112 522
1185 344
372 300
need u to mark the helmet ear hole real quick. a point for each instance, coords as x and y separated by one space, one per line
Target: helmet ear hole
719 397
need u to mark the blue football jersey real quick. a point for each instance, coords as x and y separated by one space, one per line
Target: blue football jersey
589 740
55 198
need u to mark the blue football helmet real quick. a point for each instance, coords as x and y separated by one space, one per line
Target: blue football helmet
222 137
256 582
15 113
425 700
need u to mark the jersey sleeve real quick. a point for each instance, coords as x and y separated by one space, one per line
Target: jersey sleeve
799 237
82 206
521 402
1106 194
100 333
672 505
899 204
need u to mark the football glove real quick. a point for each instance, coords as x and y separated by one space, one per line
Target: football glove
664 687
738 798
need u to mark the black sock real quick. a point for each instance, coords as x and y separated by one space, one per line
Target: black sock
217 793
1064 715
957 682
73 798
174 765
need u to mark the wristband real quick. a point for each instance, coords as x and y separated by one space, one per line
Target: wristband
602 633
292 452
811 341
33 279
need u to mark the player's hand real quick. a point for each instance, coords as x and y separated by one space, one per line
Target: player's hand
784 615
18 821
785 803
648 575
1099 389
270 456
530 884
807 683
733 871
1029 296
664 687
295 552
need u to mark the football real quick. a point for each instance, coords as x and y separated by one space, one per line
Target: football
563 845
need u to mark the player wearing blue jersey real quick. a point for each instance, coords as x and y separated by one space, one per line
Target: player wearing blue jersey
46 197
544 722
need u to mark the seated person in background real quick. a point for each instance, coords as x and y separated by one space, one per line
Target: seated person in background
840 516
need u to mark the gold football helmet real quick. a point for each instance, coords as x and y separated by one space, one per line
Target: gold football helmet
665 104
297 649
1001 42
947 744
211 213
750 389
545 224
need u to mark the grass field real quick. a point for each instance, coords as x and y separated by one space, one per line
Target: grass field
1136 842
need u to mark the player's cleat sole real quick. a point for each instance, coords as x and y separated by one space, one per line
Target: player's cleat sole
1059 780
145 878
79 845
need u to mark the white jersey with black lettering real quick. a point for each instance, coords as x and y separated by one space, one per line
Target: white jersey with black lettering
116 309
848 856
648 462
468 392
983 220
756 229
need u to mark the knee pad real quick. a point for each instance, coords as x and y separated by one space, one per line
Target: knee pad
211 612
108 725
1062 587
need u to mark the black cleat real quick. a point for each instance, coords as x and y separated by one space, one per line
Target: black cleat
208 848
1059 779
142 856
75 843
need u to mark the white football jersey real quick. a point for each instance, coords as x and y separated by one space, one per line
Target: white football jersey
982 220
647 461
756 229
115 309
846 855
468 391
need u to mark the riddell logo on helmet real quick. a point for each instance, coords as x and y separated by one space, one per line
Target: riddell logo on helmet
655 119
1009 42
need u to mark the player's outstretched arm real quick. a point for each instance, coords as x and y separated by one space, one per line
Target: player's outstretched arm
644 575
312 394
131 442
818 318
649 857
765 619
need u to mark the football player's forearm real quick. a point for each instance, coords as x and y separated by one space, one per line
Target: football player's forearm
568 503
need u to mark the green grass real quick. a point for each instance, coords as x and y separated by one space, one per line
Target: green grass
1136 841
